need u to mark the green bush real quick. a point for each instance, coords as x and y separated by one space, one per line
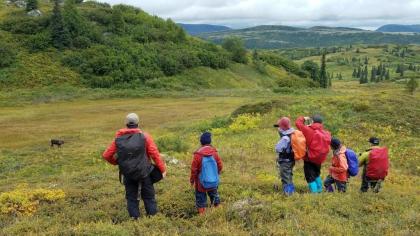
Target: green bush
172 143
7 55
291 82
38 42
256 108
24 24
279 61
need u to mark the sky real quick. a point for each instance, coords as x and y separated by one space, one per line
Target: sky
366 14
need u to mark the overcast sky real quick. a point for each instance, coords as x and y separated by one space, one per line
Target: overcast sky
367 14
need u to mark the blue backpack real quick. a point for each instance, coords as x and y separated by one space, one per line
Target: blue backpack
209 176
352 162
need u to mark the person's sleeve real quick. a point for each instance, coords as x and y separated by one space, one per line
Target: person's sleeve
194 169
153 152
219 163
282 144
363 159
109 153
300 125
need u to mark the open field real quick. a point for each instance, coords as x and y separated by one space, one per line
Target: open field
94 202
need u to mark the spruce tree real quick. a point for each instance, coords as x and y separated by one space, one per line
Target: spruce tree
73 21
412 85
387 75
118 23
354 75
365 75
323 77
359 72
31 5
255 55
402 70
329 81
373 75
59 34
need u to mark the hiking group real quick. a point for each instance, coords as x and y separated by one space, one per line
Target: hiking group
312 143
140 163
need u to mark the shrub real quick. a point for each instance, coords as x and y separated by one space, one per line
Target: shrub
260 108
38 42
24 200
240 123
297 83
7 55
25 24
361 106
172 143
287 64
236 47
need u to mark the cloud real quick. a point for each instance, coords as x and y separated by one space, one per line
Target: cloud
241 13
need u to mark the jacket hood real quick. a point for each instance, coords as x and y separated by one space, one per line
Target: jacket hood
206 150
317 126
287 132
125 131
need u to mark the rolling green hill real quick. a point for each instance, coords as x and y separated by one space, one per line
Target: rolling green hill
277 36
99 46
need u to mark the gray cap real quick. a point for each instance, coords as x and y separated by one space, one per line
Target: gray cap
132 119
317 118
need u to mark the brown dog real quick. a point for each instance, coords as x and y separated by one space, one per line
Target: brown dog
57 142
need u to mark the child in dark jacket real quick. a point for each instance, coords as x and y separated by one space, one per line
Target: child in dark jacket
205 151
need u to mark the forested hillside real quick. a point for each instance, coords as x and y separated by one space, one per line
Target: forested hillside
105 45
90 44
195 29
277 36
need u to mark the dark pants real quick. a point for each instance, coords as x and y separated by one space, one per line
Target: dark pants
147 194
339 185
311 170
201 198
367 183
286 171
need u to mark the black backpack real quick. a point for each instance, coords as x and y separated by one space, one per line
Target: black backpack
132 158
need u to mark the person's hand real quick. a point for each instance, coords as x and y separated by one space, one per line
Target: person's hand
164 174
307 118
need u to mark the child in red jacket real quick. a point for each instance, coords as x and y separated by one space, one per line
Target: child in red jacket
206 150
338 170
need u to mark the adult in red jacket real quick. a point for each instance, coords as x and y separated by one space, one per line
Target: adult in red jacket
200 192
318 142
143 186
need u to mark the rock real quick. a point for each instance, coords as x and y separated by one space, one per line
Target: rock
34 13
20 3
243 207
170 160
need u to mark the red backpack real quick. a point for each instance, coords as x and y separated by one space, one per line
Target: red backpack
319 148
378 164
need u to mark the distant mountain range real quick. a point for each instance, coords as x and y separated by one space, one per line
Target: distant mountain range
195 29
279 36
399 28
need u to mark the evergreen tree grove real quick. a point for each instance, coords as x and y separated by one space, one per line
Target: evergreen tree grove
59 34
323 77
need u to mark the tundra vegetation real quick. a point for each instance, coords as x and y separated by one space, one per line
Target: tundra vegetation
80 93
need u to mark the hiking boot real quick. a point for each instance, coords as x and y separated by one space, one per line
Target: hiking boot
201 211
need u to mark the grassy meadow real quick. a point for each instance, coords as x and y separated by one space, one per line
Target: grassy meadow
72 191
